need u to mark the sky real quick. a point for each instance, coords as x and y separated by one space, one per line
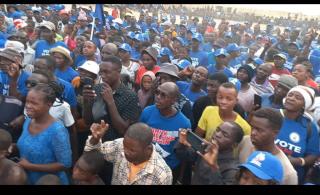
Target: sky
307 9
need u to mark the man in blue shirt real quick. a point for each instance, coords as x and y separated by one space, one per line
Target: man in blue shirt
221 63
199 57
234 57
47 39
12 77
165 121
194 89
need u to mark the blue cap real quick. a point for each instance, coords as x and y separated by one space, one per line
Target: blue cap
183 64
183 43
232 47
165 51
228 34
58 7
155 30
264 166
126 47
115 25
197 36
221 51
131 34
16 15
258 61
295 44
139 37
145 37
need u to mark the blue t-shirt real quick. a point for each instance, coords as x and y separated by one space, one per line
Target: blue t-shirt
211 59
199 58
207 47
81 59
43 47
185 89
52 145
21 86
69 94
68 75
212 69
165 132
292 140
235 63
266 102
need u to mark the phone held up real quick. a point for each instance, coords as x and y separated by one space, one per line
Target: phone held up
197 143
257 101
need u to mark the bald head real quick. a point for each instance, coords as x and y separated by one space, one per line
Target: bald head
171 88
109 49
140 132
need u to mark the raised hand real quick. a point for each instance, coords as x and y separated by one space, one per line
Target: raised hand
183 137
211 154
98 131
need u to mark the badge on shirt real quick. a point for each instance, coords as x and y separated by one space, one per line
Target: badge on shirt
294 137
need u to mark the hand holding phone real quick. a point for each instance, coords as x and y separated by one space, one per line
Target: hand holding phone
257 101
196 142
88 81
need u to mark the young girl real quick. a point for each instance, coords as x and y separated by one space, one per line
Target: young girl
145 91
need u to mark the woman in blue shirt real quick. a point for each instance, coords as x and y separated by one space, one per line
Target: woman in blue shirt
44 145
298 136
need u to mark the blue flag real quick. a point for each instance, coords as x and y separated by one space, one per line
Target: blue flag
99 14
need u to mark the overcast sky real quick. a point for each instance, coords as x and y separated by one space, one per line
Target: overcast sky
307 9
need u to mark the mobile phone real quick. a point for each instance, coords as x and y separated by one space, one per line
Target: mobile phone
257 100
196 141
88 81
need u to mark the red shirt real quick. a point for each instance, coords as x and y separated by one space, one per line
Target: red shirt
142 70
276 73
115 13
313 84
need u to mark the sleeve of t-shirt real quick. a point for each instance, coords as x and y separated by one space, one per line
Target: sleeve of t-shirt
61 147
181 85
313 142
144 115
203 120
70 97
67 116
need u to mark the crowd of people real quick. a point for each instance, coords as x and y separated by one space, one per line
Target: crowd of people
125 100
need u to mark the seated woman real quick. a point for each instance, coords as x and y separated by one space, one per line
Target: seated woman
44 145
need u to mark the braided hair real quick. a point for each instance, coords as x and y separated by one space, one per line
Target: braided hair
52 91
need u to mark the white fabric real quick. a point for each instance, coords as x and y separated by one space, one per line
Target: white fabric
308 95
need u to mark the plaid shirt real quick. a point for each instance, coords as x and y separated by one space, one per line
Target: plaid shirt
156 171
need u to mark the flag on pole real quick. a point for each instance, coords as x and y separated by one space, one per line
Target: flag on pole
99 14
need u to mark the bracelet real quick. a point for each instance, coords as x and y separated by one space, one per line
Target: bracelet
303 162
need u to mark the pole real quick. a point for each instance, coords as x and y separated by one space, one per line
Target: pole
93 24
5 8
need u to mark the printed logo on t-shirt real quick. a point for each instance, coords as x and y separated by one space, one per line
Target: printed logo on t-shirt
195 61
287 148
164 137
294 137
45 52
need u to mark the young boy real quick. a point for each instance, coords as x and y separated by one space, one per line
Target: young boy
86 169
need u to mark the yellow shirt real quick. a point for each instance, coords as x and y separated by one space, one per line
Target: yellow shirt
210 120
134 169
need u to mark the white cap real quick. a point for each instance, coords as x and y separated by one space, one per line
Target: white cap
16 45
90 66
166 23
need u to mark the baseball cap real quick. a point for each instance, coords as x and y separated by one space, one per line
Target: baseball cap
126 47
232 47
183 64
281 55
139 37
221 51
183 43
288 81
115 25
49 25
197 36
220 43
228 34
90 66
264 166
169 69
131 34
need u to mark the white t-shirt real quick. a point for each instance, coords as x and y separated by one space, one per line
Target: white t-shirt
290 175
246 98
